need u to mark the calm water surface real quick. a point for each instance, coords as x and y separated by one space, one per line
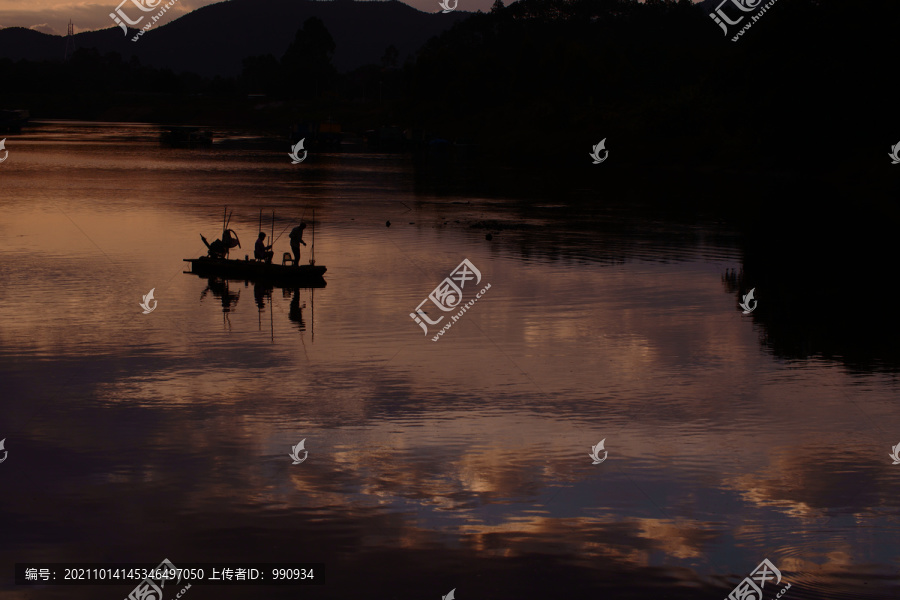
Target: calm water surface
461 463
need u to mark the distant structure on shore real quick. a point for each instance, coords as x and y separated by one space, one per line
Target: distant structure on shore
70 42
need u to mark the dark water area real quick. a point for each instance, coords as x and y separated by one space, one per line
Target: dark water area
613 314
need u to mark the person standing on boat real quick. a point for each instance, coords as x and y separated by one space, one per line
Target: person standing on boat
263 252
297 239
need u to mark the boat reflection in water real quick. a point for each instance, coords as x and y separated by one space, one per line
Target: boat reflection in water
261 291
262 295
295 312
219 288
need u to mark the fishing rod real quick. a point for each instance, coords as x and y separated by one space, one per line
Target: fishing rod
285 229
289 224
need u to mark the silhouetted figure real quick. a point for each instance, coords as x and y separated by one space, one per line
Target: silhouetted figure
261 291
295 312
263 252
220 248
297 239
219 288
387 224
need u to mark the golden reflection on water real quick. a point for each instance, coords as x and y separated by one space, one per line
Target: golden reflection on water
479 439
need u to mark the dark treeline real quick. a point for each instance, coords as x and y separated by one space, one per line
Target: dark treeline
784 133
540 81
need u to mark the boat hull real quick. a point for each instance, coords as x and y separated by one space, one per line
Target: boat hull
280 275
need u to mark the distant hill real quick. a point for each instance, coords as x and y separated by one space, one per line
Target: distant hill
214 39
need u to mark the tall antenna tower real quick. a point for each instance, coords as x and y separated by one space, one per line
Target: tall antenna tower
70 41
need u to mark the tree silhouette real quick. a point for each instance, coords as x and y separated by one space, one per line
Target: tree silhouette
307 61
261 74
391 55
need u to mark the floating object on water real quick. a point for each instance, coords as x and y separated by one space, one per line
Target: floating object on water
387 224
185 137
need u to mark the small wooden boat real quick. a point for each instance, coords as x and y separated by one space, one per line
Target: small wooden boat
215 264
251 270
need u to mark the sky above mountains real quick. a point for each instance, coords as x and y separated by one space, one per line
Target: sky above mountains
52 16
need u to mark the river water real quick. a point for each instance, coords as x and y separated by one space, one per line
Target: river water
461 463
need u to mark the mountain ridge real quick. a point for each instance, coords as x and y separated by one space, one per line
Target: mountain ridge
214 39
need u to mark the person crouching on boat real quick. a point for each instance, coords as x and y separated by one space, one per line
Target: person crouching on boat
219 248
297 239
263 252
216 249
